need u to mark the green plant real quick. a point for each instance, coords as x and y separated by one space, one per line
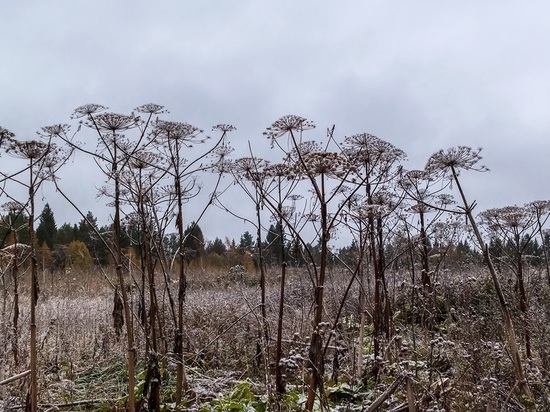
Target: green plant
241 399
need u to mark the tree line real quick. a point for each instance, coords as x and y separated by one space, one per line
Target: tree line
79 246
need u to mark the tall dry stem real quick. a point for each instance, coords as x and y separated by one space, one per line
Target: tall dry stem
451 162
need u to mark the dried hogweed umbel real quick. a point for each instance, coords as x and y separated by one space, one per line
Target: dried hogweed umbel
87 110
287 124
454 159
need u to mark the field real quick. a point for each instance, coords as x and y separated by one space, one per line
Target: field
460 362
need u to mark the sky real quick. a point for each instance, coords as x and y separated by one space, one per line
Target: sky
423 75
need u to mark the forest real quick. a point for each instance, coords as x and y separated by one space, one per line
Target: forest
356 284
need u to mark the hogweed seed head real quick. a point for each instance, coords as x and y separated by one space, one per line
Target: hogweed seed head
151 108
5 135
327 163
250 168
510 217
28 149
278 170
384 198
87 110
455 158
366 148
144 159
54 130
223 151
304 148
444 200
176 131
539 207
288 124
113 122
225 128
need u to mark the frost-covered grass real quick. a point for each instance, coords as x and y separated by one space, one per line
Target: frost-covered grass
461 363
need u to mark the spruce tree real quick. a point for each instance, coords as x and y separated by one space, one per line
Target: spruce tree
273 240
193 246
65 234
47 229
246 242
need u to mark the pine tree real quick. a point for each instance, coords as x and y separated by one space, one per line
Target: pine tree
217 246
193 246
86 231
246 242
273 240
65 234
46 231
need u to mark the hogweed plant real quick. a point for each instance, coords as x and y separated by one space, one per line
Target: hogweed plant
112 154
354 218
44 159
541 211
173 139
378 164
515 227
140 179
417 183
423 196
448 165
332 328
250 171
326 173
283 189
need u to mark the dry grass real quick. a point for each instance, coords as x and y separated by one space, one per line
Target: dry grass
459 364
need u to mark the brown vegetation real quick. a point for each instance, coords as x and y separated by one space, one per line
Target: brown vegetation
461 364
136 316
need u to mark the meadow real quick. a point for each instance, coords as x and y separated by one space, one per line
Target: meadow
459 363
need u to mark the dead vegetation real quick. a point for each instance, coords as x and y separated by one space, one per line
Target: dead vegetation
429 308
461 364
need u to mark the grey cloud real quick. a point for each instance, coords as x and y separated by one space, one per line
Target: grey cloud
422 75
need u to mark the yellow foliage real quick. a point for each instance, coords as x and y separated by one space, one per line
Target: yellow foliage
78 255
248 262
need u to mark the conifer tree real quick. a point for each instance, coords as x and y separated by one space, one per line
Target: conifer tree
65 234
246 242
217 246
193 245
46 232
273 240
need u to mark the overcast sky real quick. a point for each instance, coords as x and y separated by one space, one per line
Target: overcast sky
423 75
